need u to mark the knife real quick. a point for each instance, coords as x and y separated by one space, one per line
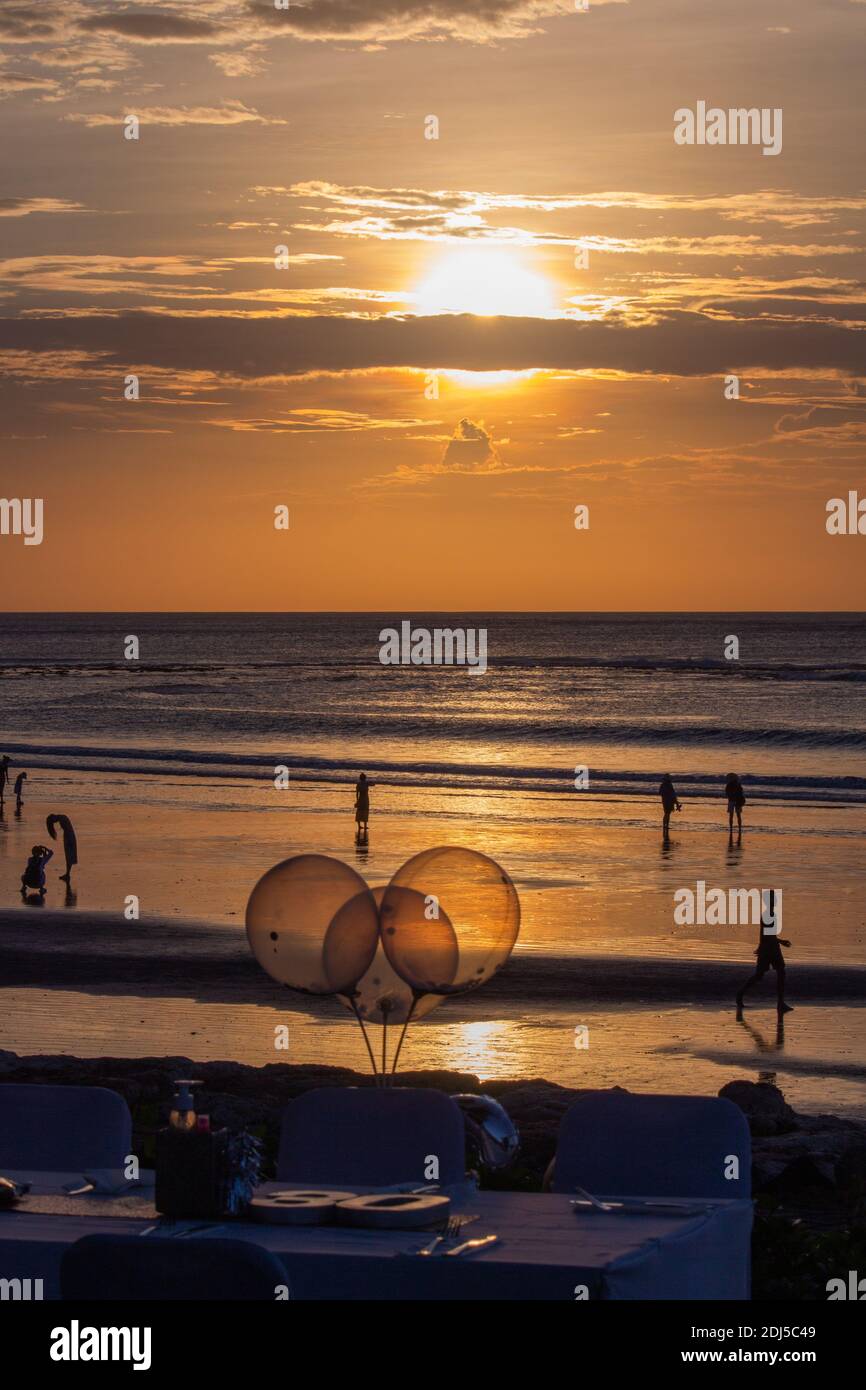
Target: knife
475 1244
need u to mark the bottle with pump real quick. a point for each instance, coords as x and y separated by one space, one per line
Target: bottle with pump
183 1116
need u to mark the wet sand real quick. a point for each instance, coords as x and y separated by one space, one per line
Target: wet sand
96 987
598 948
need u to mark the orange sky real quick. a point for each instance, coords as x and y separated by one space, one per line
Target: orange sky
432 384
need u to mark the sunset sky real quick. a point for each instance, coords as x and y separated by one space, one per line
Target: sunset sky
312 386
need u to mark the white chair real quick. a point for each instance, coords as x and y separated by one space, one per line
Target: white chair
344 1135
62 1128
619 1144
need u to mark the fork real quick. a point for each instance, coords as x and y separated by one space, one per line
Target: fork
594 1201
449 1232
197 1230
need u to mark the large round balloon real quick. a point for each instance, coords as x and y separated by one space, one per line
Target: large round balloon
478 899
418 938
289 913
381 995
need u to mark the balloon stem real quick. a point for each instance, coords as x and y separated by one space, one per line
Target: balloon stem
415 998
354 1008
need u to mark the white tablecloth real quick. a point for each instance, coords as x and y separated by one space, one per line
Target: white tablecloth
544 1251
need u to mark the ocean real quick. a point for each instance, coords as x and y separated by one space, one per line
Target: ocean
628 696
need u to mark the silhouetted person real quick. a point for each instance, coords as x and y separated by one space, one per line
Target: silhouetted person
362 804
736 801
19 790
4 775
33 876
668 794
70 844
770 957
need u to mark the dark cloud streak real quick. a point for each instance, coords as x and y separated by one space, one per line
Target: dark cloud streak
684 344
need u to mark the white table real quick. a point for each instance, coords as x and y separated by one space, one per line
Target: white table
544 1251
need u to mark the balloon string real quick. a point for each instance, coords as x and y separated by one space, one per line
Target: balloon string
354 1008
384 1047
415 998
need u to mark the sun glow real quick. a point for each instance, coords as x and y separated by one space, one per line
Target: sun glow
488 381
487 282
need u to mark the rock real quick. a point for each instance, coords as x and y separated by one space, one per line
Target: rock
851 1173
763 1105
804 1175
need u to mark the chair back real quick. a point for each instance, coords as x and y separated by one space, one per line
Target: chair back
342 1135
63 1128
619 1144
105 1268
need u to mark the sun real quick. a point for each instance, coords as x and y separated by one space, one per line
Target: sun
484 281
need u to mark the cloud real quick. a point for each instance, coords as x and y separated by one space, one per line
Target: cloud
26 24
144 27
230 113
247 64
11 82
310 421
784 206
158 277
71 274
107 38
470 448
24 207
828 425
460 215
681 344
393 21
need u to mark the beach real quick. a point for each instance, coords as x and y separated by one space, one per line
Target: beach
236 740
598 949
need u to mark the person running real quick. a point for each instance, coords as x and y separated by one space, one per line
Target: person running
19 790
668 794
736 801
70 844
33 876
362 804
770 957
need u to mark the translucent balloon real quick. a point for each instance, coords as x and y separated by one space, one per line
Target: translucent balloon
288 916
421 947
477 897
349 947
381 995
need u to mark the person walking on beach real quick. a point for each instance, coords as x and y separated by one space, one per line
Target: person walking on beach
362 804
736 801
770 957
34 874
19 790
4 776
70 844
668 794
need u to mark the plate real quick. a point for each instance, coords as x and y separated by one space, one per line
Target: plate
311 1206
395 1211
